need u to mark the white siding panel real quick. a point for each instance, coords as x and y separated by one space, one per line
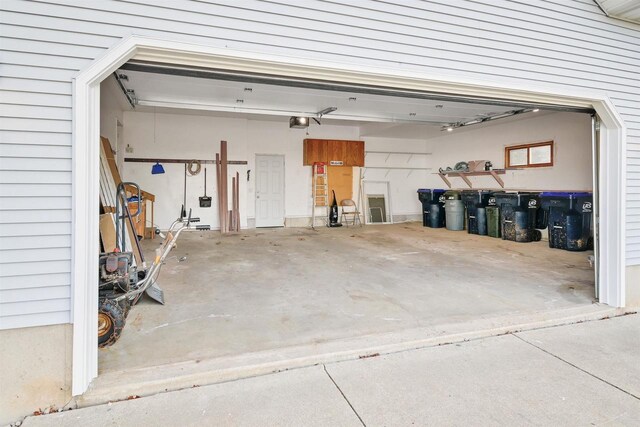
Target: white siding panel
51 48
55 36
35 138
35 294
20 203
21 177
46 306
554 42
37 99
35 112
27 216
36 255
36 60
35 229
34 242
37 164
49 151
35 125
35 281
41 72
26 319
25 268
30 190
37 86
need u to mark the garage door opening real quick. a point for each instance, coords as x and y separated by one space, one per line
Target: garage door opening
263 291
373 131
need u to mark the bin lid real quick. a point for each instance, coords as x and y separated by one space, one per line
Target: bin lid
429 190
564 194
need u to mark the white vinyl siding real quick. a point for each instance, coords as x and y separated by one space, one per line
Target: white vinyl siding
45 43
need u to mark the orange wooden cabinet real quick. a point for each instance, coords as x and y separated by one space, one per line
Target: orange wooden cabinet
354 154
337 151
350 153
315 150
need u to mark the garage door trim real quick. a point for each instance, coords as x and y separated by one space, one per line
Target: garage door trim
86 133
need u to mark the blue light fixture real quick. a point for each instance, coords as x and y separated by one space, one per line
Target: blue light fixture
156 169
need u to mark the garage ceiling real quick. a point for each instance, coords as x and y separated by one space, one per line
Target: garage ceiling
160 87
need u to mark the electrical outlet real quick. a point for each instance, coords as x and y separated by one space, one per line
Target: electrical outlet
129 149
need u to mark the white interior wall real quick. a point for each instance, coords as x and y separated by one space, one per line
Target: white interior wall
112 107
571 133
403 183
198 137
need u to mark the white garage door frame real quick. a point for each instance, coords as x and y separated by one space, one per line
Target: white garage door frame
86 133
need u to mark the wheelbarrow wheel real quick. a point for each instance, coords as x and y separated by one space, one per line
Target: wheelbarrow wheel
111 319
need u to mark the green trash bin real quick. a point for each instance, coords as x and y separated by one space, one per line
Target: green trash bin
494 228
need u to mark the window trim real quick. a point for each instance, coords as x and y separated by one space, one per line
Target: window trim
508 149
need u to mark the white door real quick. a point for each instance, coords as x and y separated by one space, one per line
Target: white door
269 191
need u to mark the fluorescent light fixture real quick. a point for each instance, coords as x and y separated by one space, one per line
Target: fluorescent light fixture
298 122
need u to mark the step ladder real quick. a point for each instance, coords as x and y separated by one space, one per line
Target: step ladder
320 182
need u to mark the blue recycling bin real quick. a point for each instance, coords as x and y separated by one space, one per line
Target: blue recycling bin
570 218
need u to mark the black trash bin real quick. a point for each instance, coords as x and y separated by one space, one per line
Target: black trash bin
432 200
475 202
518 216
569 217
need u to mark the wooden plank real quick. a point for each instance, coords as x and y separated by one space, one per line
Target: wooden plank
464 177
497 178
237 201
225 189
340 179
444 178
109 176
233 203
219 192
108 232
111 161
107 180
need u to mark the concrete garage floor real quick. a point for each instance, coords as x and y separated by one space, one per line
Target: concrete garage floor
272 291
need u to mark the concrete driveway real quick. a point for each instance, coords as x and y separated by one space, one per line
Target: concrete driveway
580 374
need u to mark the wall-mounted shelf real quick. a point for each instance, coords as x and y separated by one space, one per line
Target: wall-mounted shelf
410 154
464 175
390 168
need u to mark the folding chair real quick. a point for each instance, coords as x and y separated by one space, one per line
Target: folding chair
349 209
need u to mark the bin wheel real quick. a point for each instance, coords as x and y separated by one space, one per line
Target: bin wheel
111 320
536 235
